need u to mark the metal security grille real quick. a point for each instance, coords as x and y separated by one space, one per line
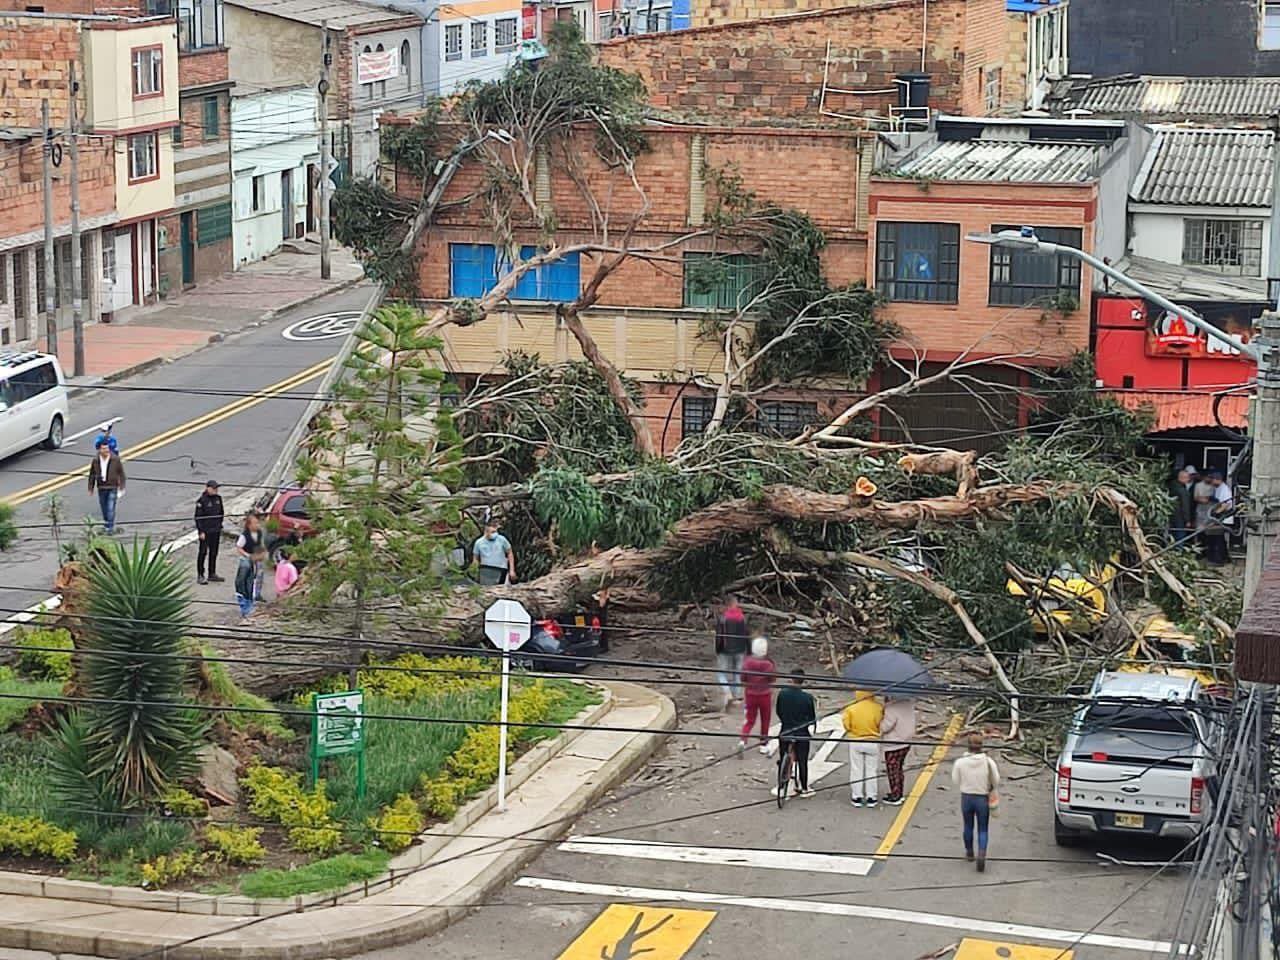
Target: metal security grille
213 224
1231 246
918 261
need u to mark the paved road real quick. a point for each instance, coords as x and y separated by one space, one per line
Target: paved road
172 439
576 900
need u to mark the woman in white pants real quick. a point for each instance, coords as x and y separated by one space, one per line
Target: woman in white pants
862 720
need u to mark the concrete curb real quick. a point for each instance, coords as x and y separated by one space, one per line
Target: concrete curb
309 298
56 936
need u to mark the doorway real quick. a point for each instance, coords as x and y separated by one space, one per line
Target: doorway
286 205
313 177
188 249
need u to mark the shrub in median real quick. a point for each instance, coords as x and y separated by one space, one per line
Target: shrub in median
236 844
45 654
279 795
398 824
31 837
177 802
435 676
171 868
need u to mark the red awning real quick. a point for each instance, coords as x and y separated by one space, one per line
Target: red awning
1184 411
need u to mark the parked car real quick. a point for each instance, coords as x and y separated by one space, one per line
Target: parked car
566 645
1136 760
1076 601
33 401
288 521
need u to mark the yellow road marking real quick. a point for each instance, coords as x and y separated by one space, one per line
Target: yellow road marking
918 788
624 932
178 432
973 949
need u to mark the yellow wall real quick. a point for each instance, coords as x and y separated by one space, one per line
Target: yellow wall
111 107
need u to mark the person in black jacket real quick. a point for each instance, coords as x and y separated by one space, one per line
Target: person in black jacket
731 649
209 527
797 717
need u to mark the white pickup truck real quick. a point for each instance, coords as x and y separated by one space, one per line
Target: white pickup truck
1136 760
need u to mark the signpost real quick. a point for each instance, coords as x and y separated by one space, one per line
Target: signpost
337 729
507 624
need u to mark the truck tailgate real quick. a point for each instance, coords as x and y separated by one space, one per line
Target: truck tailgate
1139 772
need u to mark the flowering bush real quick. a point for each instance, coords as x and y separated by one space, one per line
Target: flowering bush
31 836
398 824
236 844
279 795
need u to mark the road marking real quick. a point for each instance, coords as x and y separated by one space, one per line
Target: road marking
327 326
178 432
719 856
826 908
625 932
88 430
971 949
918 788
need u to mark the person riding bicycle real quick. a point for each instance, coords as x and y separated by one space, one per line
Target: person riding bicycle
797 717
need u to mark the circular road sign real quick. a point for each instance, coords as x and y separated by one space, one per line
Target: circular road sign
324 327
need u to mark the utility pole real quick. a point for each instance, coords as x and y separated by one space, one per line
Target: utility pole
77 291
1264 431
322 88
50 278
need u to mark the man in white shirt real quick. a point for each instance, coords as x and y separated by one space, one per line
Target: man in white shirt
1221 520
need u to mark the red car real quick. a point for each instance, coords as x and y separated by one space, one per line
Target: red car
288 521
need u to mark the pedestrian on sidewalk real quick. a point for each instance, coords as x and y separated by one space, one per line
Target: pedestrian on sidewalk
493 553
758 672
731 648
862 720
797 717
249 546
286 574
106 475
209 515
977 776
897 730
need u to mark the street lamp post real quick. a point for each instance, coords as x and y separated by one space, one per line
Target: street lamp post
1264 419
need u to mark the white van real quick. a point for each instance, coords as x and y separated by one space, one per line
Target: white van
33 402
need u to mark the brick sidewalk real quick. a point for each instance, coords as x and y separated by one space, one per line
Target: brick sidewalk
142 336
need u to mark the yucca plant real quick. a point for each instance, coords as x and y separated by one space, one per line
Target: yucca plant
138 738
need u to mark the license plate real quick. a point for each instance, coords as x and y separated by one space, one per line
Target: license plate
1131 820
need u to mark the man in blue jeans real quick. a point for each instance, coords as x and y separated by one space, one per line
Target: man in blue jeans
106 475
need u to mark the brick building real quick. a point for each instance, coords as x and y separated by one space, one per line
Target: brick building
127 107
845 65
955 297
195 239
650 318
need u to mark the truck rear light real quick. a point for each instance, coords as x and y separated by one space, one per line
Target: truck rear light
1197 794
1064 784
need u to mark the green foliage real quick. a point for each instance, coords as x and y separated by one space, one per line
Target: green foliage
414 147
33 837
372 221
8 526
278 795
126 749
392 516
563 495
398 825
239 845
134 840
321 875
414 677
170 868
18 696
226 691
24 788
177 802
40 655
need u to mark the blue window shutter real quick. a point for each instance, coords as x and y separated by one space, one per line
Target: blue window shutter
471 269
562 279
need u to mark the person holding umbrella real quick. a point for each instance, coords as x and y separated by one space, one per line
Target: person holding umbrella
897 730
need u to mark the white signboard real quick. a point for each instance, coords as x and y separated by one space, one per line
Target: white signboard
377 65
507 624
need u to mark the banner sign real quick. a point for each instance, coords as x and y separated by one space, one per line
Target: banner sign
377 65
529 21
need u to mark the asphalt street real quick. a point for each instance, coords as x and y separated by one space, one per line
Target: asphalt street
697 861
222 412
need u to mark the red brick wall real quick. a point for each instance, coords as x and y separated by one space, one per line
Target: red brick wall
947 329
773 67
34 53
988 41
199 67
22 196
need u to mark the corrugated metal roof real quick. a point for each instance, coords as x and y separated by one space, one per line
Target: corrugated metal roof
1225 168
1181 283
1003 161
1185 411
1172 97
339 13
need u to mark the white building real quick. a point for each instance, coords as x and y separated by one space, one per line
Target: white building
275 163
475 40
1202 198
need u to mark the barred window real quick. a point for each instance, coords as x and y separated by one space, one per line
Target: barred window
1231 246
695 414
918 261
1020 277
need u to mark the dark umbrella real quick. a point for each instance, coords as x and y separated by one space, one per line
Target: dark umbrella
890 672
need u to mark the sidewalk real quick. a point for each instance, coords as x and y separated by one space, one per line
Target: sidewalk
561 785
141 337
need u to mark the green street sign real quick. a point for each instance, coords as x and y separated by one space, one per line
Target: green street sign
337 730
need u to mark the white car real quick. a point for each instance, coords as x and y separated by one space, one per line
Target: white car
1137 759
33 402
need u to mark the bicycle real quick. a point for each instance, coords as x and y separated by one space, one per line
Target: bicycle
788 774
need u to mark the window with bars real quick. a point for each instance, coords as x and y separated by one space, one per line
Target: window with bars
213 224
474 269
695 414
918 262
212 118
1269 25
144 157
721 281
504 35
1231 246
1019 277
787 418
148 72
453 41
479 38
991 89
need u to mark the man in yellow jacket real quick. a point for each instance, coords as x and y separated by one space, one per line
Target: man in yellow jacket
862 728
